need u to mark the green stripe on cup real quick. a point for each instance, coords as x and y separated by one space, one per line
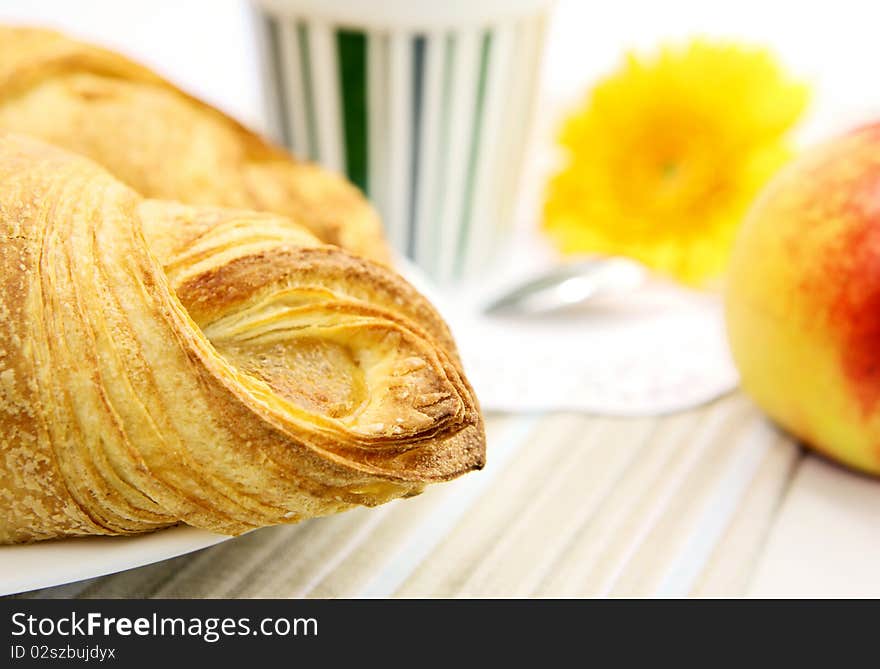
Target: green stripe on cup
443 153
352 51
306 64
476 137
418 104
275 64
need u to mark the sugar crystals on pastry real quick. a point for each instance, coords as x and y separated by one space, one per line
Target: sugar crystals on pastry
164 363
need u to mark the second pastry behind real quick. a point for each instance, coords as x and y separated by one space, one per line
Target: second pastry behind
165 143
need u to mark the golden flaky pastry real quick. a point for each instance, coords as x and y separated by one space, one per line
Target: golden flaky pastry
166 144
162 363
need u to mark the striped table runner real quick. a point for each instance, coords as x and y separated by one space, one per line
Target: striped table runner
569 505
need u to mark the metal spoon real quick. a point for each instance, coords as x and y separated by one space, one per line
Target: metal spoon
568 285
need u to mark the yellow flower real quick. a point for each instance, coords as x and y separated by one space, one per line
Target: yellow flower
666 154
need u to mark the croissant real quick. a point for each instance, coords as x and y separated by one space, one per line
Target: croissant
166 144
164 363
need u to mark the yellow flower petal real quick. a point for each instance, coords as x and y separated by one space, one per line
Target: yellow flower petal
664 156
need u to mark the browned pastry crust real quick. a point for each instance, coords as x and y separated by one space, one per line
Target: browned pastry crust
163 363
165 143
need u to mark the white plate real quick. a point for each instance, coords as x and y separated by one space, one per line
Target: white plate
48 563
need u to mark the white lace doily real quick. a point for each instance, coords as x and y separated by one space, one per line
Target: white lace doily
657 349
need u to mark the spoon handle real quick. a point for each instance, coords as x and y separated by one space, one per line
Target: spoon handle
569 284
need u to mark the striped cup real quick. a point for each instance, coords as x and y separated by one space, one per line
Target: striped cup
426 106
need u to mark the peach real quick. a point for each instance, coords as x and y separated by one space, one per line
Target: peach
803 299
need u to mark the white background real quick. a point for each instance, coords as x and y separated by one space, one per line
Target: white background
206 46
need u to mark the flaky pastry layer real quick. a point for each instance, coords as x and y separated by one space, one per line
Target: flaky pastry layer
164 363
165 143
